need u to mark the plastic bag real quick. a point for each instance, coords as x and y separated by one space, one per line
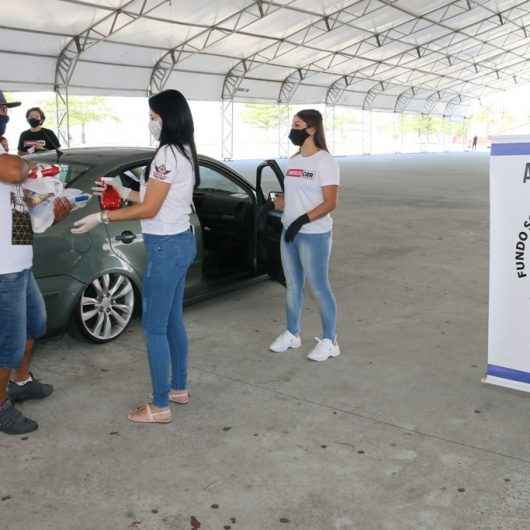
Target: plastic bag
40 193
41 189
42 217
44 170
77 198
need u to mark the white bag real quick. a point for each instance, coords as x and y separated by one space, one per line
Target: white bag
40 193
42 216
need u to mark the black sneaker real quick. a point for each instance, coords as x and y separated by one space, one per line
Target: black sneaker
33 389
14 422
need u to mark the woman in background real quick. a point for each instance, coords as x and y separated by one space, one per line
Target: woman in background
37 139
311 189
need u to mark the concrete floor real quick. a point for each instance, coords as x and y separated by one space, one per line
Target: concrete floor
398 433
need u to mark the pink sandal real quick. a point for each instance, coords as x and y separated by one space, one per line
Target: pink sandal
146 414
182 397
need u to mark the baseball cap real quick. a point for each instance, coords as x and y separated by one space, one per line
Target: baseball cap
9 105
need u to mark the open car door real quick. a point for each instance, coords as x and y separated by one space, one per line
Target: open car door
269 180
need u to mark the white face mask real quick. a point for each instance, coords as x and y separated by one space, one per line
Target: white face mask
155 128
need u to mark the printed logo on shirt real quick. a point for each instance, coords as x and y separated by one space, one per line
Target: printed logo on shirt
300 173
34 143
30 146
161 172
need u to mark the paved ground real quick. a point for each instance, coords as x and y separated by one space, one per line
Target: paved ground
396 434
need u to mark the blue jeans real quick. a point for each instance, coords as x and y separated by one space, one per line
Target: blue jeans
308 256
22 316
168 261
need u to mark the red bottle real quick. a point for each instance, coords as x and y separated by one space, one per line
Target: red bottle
110 199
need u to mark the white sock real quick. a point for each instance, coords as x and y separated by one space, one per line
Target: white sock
22 383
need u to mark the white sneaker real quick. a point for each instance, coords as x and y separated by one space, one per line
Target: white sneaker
285 341
324 350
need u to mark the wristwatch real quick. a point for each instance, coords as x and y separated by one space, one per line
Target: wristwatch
105 217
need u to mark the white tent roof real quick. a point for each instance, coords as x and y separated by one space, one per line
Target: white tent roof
395 55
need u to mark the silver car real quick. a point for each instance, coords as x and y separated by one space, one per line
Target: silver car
93 282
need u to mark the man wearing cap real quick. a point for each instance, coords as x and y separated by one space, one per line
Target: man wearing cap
22 310
4 118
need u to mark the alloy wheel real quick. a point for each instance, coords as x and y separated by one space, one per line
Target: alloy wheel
106 307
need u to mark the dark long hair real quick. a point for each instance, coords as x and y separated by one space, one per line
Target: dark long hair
313 118
177 125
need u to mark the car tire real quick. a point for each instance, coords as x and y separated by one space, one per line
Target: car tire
106 307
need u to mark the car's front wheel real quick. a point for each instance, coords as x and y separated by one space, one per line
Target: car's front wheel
106 307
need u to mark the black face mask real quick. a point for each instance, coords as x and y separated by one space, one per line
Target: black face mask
298 136
3 124
34 122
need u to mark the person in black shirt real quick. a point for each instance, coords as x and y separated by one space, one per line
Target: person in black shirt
37 138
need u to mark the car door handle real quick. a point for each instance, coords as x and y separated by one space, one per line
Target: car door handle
126 237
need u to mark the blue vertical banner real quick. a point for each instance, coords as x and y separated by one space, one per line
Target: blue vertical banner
509 285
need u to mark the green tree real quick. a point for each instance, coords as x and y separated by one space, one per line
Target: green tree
265 116
82 111
411 123
419 123
494 119
459 129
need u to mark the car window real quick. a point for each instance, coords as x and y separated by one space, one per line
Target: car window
132 177
71 172
212 180
269 182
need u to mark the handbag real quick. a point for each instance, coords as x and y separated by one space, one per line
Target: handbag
22 231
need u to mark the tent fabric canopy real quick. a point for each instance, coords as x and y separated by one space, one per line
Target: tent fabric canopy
431 56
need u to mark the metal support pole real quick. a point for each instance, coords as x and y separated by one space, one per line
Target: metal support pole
370 128
330 125
367 132
402 126
284 125
63 115
334 129
446 134
363 120
394 133
227 129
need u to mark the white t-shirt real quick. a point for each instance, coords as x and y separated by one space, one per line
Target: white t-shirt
305 177
171 166
13 258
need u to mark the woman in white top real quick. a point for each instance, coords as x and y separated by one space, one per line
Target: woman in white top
311 189
164 207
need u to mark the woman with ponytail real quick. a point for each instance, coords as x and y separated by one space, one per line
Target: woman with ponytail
163 205
311 189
